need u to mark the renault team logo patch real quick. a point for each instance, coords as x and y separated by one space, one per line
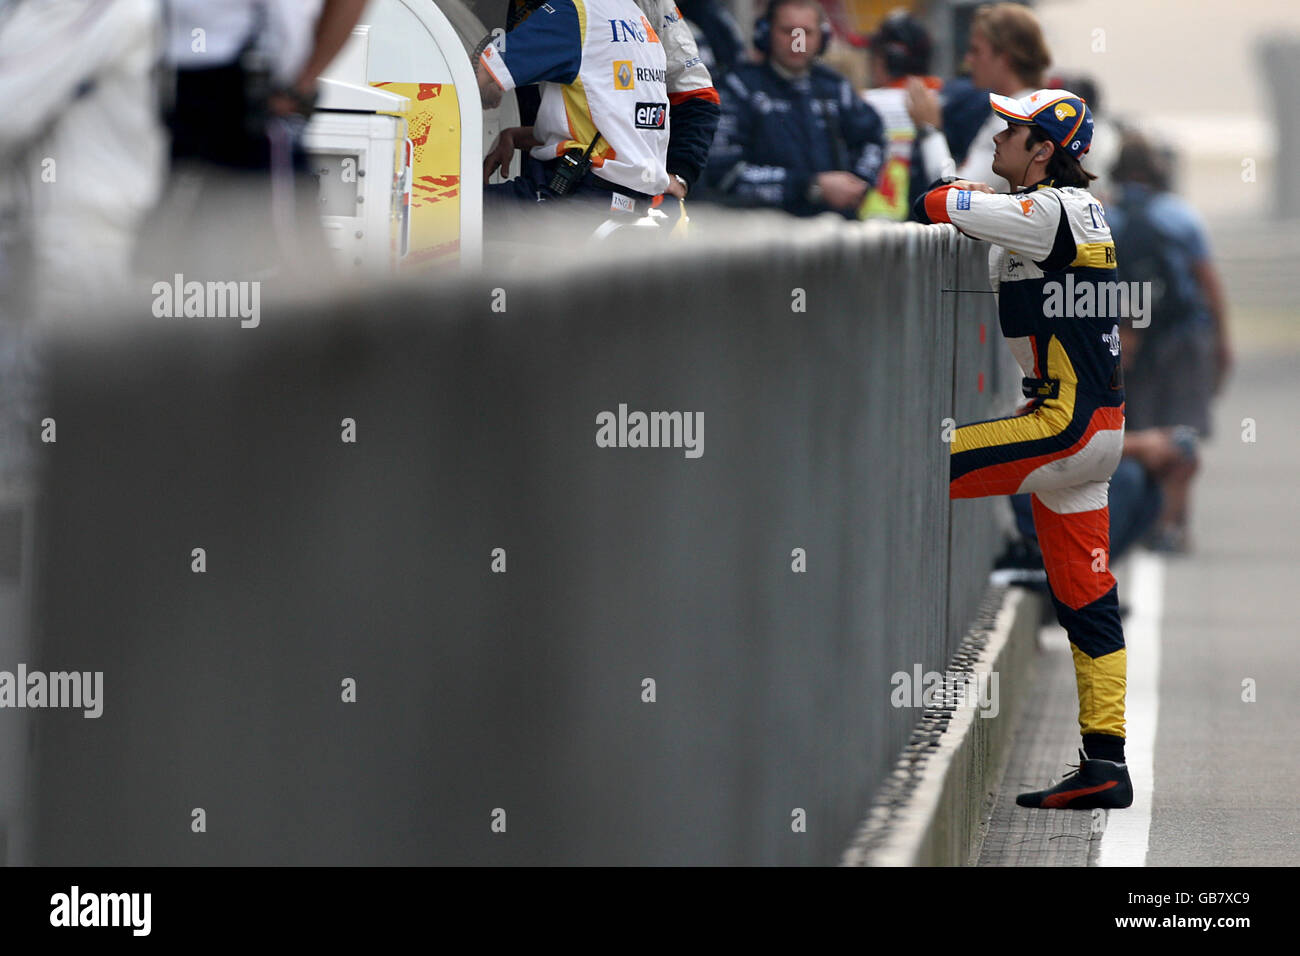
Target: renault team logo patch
651 115
624 79
1063 110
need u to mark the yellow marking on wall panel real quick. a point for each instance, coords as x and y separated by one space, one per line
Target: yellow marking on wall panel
433 123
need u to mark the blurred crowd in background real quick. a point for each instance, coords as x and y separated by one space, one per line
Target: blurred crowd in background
144 114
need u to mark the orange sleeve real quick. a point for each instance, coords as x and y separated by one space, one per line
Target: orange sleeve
707 93
936 204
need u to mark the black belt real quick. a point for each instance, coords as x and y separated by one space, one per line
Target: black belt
592 181
1040 387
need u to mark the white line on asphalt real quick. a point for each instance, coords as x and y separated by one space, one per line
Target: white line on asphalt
1128 831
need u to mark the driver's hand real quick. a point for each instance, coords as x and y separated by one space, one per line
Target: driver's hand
500 155
973 187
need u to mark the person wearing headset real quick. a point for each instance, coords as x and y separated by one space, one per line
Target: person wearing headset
793 133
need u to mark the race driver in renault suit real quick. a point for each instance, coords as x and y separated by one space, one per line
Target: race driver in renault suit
1050 234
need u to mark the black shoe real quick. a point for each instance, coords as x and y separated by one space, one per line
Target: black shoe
1092 784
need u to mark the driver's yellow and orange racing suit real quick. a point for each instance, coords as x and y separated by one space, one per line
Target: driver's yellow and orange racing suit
1050 245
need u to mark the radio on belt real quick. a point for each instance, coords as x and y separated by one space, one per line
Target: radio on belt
573 165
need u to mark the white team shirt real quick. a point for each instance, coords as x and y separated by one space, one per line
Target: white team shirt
602 67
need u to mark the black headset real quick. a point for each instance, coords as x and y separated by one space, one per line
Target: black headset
763 28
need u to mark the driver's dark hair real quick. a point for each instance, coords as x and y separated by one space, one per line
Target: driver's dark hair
1063 169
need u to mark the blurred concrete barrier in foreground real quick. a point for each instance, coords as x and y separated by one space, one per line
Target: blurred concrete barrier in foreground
679 655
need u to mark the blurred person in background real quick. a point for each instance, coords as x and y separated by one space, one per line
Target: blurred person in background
1182 358
545 66
81 148
794 135
717 36
965 111
240 197
1006 55
907 99
81 156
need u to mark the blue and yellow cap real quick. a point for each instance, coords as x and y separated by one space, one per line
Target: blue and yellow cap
1064 116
